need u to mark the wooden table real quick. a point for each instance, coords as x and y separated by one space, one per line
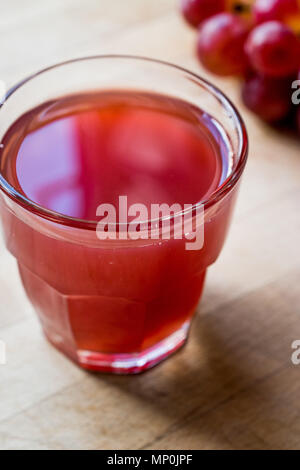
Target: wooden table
234 385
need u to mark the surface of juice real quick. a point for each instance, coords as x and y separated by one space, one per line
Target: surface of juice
74 154
80 151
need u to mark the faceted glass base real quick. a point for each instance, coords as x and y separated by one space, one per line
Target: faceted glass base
134 363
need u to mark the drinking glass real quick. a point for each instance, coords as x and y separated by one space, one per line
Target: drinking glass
118 306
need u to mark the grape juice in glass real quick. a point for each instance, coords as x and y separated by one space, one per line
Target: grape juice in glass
81 134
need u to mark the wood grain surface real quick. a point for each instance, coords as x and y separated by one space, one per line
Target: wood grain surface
234 385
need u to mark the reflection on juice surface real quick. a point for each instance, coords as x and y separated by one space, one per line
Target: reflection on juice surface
70 156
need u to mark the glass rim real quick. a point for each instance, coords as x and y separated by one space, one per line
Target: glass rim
218 194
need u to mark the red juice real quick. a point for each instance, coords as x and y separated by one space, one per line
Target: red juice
70 155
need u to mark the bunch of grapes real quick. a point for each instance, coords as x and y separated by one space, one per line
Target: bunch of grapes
257 40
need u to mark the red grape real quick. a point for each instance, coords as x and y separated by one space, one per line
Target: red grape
220 44
273 49
268 10
269 98
196 11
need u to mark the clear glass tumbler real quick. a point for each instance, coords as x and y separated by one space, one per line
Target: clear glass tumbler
117 306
